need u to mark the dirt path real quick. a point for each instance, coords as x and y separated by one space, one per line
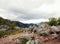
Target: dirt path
51 41
9 38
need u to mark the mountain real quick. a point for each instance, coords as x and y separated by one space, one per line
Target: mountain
20 24
14 23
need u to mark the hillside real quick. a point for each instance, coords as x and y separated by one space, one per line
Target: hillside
8 26
14 23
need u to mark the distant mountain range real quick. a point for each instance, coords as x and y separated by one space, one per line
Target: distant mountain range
14 23
20 24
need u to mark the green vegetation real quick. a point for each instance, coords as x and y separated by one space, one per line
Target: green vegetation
9 26
9 32
59 21
7 22
54 21
23 40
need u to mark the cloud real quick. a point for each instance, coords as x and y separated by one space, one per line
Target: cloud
35 20
29 10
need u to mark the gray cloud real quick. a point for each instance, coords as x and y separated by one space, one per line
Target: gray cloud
23 10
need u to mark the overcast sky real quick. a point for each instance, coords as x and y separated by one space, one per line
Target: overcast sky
29 11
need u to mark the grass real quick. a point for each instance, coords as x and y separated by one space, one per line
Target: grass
9 32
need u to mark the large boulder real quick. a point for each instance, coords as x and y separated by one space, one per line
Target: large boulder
27 35
55 29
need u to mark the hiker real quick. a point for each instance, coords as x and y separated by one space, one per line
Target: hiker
33 41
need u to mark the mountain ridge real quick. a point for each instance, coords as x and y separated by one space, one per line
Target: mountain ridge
14 23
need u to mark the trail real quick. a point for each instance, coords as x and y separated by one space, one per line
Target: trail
48 41
9 38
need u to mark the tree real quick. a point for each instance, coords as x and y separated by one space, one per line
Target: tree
59 21
52 21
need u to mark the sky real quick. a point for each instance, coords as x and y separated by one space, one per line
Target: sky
29 11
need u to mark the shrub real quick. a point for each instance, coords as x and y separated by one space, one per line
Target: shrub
23 40
52 21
